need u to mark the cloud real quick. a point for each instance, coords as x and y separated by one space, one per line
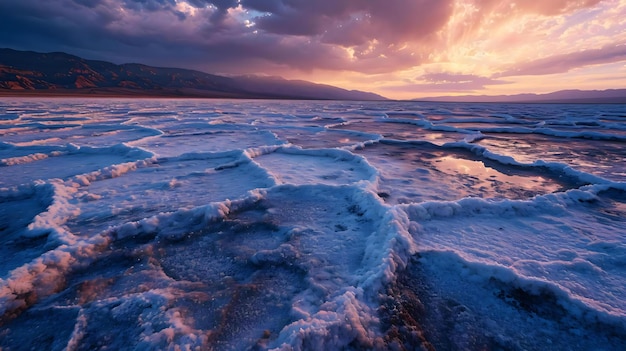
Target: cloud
562 63
447 82
445 77
539 7
108 29
387 21
473 18
554 7
371 36
265 36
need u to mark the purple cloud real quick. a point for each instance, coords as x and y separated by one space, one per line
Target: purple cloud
160 32
448 82
388 21
554 7
565 62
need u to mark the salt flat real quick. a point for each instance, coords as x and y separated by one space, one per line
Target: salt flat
298 225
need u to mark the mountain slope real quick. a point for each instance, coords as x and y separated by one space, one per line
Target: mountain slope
63 73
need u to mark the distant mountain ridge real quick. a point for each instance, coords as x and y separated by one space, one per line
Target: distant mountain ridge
62 73
613 96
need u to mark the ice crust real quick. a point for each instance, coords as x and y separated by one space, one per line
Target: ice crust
298 225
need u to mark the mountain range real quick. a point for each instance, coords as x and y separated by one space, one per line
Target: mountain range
58 73
609 96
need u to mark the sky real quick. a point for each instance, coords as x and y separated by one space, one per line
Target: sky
401 49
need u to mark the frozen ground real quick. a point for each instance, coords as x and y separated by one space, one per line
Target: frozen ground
234 225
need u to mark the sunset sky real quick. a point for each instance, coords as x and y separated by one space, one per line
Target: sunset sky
398 48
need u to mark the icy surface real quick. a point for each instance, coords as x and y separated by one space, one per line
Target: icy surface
298 225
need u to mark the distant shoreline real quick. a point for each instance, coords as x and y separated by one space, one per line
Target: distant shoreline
117 93
169 94
618 101
147 94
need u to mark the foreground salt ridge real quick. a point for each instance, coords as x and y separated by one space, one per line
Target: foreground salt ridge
581 303
324 313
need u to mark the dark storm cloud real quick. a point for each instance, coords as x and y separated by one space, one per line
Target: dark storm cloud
565 62
222 7
388 21
141 29
220 4
57 25
148 5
